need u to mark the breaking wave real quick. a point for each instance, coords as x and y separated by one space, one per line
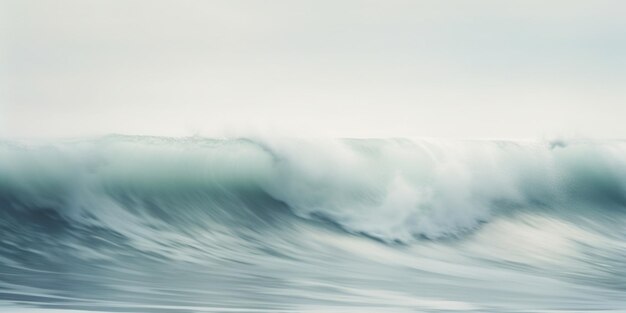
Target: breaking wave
393 190
529 206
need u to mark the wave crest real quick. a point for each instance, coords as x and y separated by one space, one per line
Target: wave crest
393 190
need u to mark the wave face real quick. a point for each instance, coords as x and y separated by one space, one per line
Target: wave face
148 224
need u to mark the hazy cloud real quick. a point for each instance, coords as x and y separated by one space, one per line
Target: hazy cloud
340 68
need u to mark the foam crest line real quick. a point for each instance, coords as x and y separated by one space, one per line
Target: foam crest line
394 190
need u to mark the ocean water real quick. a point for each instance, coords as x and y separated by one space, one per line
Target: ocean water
150 224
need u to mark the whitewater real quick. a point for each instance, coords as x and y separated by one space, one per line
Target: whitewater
156 224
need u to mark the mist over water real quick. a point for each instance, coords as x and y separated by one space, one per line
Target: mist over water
156 224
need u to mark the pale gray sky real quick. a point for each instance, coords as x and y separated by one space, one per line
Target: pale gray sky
451 69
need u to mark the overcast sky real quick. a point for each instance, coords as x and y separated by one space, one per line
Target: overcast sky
450 69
